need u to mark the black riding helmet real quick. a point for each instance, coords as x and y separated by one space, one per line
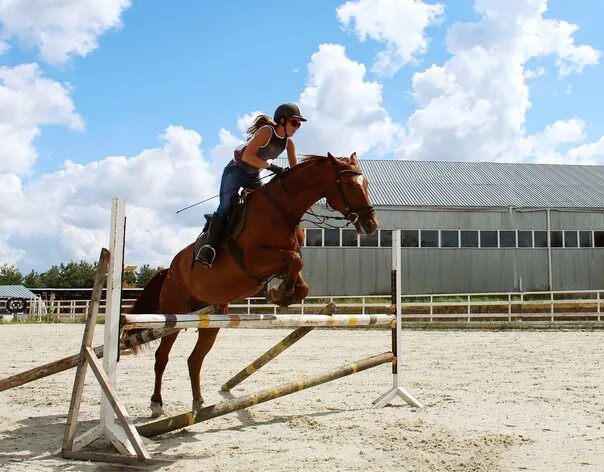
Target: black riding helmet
288 110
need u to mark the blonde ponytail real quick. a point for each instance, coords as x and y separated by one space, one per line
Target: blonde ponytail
259 122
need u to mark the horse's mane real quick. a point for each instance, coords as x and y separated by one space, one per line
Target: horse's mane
311 158
308 159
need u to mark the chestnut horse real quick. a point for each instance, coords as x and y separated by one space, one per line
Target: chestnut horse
270 243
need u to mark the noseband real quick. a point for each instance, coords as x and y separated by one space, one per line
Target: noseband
350 212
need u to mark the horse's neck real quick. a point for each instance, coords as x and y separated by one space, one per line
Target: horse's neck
304 187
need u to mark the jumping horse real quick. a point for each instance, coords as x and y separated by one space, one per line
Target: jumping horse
270 244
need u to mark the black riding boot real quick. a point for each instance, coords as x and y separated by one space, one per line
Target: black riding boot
207 252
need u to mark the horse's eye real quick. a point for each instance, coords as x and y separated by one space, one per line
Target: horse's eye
350 186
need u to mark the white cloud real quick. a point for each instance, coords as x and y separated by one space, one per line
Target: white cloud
400 24
474 106
345 112
28 100
64 215
59 29
592 153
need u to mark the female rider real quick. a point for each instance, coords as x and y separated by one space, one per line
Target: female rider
267 139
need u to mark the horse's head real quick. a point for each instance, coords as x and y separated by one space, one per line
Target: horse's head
348 193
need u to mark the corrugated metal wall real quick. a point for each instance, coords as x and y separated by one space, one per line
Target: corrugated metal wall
366 270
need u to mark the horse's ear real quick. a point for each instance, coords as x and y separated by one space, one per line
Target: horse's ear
332 158
353 159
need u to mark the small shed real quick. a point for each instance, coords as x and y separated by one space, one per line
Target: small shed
14 299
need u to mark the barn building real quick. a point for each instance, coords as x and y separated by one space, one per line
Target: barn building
467 227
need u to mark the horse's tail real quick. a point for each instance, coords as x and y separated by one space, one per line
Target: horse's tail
148 302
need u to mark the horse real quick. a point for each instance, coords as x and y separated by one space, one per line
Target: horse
270 243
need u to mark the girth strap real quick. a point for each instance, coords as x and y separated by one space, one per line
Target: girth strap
238 256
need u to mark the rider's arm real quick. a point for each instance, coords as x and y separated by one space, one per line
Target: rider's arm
291 153
250 155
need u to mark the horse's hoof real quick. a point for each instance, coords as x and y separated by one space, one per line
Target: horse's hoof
156 410
272 295
197 403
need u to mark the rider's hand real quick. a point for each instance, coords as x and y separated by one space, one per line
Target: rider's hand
275 169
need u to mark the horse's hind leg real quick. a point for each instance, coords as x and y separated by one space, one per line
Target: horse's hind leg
205 340
161 360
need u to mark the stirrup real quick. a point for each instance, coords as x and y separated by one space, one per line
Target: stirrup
206 261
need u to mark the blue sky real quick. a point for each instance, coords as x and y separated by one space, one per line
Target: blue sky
116 97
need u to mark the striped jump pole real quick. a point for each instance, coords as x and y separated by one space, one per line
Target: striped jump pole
273 352
199 320
265 358
173 423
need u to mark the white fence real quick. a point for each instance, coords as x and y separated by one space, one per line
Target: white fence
506 306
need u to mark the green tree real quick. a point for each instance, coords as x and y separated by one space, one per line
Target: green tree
51 278
10 275
32 280
129 279
146 273
77 274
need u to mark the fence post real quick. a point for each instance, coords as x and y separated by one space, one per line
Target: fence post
509 307
551 306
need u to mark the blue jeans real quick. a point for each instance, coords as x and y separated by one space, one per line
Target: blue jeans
235 177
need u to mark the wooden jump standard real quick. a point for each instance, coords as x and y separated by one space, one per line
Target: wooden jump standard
127 438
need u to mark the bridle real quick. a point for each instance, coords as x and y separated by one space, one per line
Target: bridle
350 212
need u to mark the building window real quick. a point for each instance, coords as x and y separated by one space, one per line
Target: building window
369 240
349 238
598 238
488 239
386 237
585 239
555 238
449 238
332 237
570 239
314 237
469 239
540 238
507 239
525 239
409 238
429 238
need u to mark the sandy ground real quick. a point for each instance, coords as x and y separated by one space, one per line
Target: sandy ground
494 401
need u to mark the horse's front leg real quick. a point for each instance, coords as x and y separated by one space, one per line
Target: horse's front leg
266 259
299 292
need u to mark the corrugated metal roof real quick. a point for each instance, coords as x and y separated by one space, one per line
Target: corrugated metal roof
16 291
482 184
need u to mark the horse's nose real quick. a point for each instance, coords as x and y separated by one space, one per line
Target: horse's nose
370 226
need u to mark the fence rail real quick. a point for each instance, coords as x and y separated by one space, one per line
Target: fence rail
501 306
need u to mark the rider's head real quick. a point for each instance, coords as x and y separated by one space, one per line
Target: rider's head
289 116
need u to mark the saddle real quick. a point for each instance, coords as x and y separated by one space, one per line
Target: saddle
234 226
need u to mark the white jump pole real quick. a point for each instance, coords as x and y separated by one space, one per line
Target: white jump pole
397 345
